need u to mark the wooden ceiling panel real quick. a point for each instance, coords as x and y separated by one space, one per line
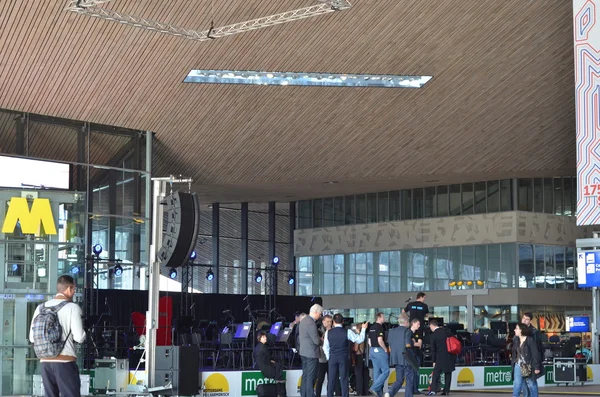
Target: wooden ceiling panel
501 102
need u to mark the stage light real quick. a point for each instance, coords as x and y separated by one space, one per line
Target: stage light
258 277
74 270
275 261
291 279
97 248
118 270
193 255
173 273
15 267
210 275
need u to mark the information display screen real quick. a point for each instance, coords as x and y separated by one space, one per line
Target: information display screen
578 324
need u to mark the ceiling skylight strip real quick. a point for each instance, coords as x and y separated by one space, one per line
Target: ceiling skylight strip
305 79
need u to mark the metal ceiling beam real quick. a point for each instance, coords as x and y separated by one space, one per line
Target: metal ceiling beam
90 8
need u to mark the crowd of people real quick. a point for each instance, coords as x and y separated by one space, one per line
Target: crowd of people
330 349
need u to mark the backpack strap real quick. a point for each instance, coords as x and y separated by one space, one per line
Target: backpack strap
55 309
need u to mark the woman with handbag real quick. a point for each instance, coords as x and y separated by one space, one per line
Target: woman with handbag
525 360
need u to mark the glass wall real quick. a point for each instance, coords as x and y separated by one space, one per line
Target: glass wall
549 195
429 269
546 266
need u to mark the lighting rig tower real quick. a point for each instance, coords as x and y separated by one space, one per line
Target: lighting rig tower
90 299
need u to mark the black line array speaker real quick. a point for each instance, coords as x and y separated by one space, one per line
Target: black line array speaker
179 367
179 239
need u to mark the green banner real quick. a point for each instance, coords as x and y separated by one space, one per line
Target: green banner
497 376
252 379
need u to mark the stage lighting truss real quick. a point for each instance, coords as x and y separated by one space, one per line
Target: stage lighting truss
91 8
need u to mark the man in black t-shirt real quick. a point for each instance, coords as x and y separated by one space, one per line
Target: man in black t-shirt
378 354
417 309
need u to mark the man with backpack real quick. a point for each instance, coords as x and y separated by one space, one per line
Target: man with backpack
55 327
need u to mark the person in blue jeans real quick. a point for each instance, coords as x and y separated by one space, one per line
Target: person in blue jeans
378 354
526 354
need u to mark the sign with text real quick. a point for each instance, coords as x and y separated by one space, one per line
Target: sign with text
29 221
586 32
497 376
578 324
588 268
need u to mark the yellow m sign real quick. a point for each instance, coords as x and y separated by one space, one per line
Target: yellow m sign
40 212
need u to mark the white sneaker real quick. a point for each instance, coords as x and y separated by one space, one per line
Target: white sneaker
386 395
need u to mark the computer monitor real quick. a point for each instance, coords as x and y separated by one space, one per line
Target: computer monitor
243 330
275 328
283 337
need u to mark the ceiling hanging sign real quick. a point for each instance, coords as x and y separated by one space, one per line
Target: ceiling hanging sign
587 110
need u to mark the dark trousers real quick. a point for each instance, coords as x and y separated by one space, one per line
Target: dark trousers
338 369
435 380
309 376
361 372
322 371
402 372
61 378
416 376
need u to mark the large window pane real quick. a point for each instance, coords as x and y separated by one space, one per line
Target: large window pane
338 211
371 207
526 266
317 213
361 208
568 196
506 203
550 272
327 212
480 262
394 205
480 198
494 272
349 208
442 269
525 194
383 207
384 272
442 201
493 193
538 195
417 203
304 214
548 196
455 200
559 263
406 203
540 267
467 270
558 196
429 207
467 198
570 267
508 268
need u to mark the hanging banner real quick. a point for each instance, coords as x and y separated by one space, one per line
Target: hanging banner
587 110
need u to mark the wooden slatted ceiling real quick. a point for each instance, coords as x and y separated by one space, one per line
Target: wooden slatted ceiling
501 102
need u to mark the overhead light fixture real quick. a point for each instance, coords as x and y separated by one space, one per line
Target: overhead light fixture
306 79
118 270
258 277
210 275
173 273
92 9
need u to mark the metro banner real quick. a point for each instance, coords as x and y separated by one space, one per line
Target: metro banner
587 111
244 383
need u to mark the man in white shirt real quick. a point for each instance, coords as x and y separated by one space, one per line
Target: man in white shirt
337 350
60 374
